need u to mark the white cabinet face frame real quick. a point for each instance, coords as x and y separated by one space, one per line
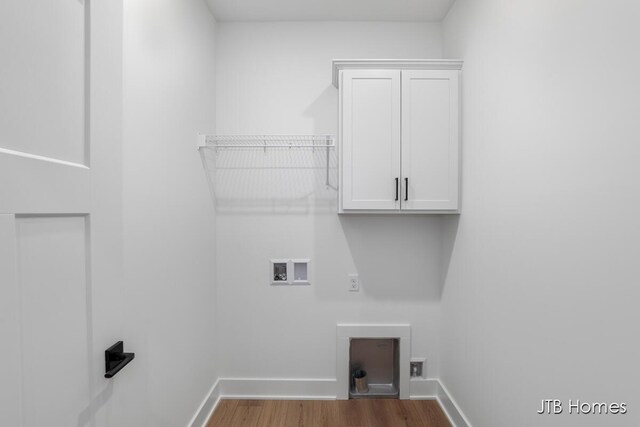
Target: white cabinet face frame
404 125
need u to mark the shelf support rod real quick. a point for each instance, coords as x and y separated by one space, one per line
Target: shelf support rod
328 152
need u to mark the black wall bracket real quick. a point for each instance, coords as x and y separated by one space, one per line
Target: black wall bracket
115 359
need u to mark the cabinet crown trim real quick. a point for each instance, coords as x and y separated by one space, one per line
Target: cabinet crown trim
393 64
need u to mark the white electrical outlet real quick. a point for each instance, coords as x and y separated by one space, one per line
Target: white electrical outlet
354 283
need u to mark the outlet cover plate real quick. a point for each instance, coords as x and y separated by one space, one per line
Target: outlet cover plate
354 283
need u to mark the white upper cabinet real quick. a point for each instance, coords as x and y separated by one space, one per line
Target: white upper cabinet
399 136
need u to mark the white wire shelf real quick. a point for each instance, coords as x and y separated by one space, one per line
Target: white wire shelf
266 141
278 145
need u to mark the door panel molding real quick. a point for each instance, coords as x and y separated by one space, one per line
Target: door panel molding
45 98
66 188
54 316
11 366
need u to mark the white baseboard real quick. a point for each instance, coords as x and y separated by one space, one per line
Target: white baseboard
432 389
312 389
207 407
451 408
275 388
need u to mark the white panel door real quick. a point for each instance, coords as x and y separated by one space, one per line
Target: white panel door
370 139
430 144
50 364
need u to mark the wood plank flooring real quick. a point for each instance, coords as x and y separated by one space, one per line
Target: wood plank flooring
329 413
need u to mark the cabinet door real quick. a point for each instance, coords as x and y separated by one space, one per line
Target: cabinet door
370 139
430 163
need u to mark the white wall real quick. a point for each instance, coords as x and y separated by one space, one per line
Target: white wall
275 78
541 294
169 92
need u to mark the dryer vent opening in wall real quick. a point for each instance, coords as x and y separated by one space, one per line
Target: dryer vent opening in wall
300 271
374 368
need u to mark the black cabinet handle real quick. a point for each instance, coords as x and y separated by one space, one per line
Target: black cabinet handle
396 189
406 189
115 359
